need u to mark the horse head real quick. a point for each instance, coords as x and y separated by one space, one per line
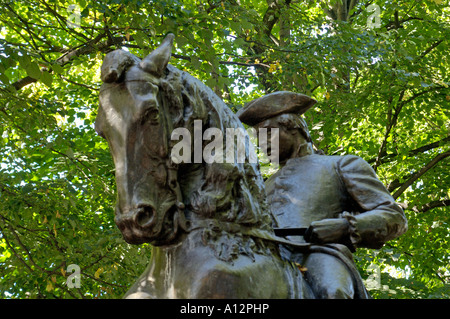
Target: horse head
133 119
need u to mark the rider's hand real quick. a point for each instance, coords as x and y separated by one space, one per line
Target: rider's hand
333 230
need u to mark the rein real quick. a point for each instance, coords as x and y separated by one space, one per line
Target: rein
235 228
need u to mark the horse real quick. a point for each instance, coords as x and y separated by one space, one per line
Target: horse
209 224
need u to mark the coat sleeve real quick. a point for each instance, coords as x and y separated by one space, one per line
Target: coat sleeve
380 218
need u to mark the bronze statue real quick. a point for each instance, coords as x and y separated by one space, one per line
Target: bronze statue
209 222
339 199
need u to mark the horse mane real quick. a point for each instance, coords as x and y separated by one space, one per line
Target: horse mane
228 192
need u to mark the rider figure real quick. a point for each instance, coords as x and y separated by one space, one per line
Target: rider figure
339 199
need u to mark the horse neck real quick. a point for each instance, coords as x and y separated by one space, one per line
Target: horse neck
225 196
226 192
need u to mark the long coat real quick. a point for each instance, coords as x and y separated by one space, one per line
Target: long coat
316 187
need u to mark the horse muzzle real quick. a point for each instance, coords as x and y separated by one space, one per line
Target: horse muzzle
139 225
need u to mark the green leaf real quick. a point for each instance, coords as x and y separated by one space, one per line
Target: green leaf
33 70
4 78
141 39
69 152
181 41
57 68
46 78
196 63
24 60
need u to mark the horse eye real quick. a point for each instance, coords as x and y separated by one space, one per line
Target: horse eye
151 116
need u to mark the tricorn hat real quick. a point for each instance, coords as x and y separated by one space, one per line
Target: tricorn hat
274 104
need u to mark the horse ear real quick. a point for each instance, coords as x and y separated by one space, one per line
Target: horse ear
115 65
156 61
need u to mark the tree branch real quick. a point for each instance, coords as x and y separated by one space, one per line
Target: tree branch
341 10
417 175
430 146
434 204
27 251
89 47
79 84
187 58
23 82
399 24
386 157
271 17
14 251
361 9
392 121
62 21
433 46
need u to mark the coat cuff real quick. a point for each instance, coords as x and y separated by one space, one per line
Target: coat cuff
354 236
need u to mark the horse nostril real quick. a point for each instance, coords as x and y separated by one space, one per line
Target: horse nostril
145 215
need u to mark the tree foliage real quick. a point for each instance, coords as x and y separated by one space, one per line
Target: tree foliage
383 93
